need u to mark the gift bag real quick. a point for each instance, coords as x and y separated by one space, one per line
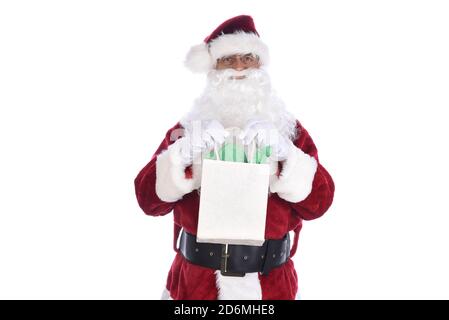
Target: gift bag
234 195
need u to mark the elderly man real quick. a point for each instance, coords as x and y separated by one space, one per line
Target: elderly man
238 94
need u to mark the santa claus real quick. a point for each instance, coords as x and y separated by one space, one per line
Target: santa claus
238 94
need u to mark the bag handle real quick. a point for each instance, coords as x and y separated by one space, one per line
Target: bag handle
252 147
217 155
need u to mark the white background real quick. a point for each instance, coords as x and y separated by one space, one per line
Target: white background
89 88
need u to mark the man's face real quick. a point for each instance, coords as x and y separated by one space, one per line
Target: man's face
238 62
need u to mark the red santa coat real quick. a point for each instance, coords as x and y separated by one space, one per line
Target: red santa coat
303 190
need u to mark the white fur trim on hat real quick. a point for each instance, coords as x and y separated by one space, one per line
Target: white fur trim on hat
198 59
202 58
238 43
171 183
295 181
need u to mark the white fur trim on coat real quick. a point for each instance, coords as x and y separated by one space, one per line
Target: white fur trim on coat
166 295
238 288
295 181
202 58
171 183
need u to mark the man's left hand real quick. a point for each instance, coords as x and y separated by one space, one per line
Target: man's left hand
264 133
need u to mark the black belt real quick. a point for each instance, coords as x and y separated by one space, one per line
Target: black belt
236 260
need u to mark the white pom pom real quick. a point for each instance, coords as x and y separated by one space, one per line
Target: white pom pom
198 59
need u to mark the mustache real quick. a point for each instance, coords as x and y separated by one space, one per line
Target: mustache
240 74
255 76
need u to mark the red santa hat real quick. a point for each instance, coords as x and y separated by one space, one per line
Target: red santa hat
237 35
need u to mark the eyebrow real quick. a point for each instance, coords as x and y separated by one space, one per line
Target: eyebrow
232 55
244 55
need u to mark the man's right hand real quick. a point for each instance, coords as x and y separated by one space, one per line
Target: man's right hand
206 136
188 150
213 133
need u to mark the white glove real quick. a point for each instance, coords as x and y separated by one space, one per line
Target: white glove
264 133
201 138
213 133
187 150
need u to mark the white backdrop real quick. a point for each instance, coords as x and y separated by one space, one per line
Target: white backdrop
89 88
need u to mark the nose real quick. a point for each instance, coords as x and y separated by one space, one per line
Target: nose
239 66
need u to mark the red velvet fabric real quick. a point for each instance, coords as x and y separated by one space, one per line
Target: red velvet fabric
239 23
187 281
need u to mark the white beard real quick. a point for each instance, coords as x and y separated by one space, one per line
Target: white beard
235 101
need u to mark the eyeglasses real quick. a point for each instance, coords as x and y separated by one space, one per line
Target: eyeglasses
247 60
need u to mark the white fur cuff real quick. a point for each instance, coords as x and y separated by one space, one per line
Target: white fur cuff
295 181
171 183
